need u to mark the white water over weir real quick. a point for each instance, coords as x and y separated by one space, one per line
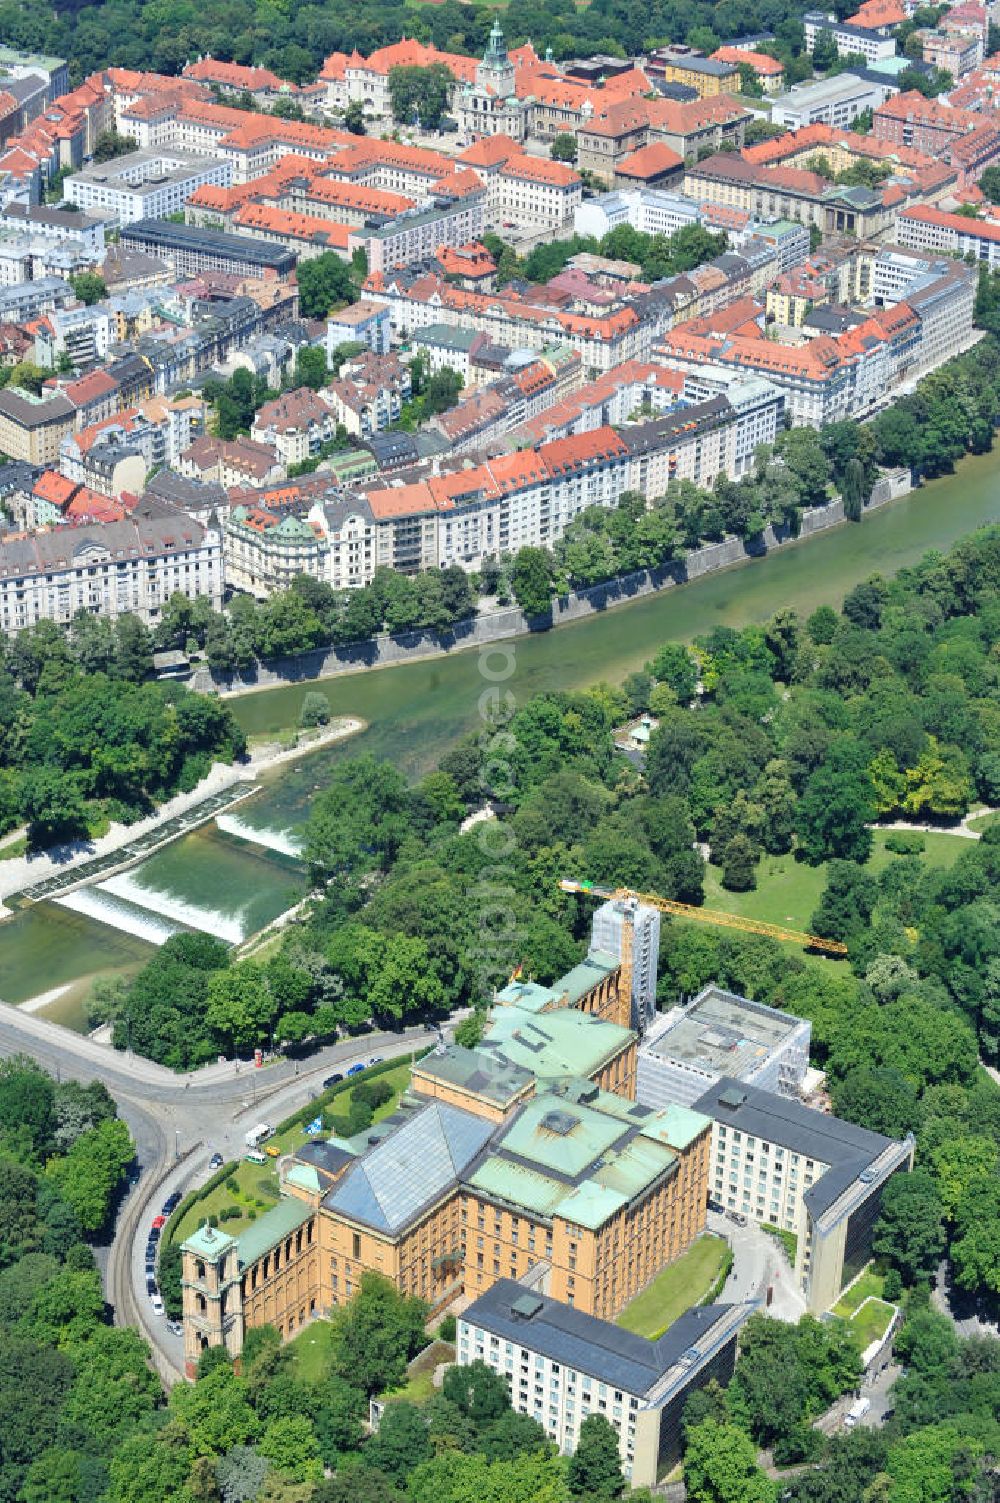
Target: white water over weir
165 906
283 841
118 915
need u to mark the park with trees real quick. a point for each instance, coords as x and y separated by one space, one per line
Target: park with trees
86 738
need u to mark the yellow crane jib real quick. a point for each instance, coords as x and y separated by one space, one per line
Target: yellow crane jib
706 915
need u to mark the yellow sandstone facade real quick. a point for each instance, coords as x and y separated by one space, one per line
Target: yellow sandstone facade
526 1153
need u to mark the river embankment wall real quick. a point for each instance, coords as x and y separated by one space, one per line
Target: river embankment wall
510 621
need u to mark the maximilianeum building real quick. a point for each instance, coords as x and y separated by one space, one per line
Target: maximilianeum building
527 1156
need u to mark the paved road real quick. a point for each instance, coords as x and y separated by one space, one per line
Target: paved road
759 1264
178 1122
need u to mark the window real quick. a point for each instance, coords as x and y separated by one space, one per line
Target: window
356 1245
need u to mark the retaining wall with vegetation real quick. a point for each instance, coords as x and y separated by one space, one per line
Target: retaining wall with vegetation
496 626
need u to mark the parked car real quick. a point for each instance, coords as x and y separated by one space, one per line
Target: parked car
715 1205
255 1157
377 1059
216 1161
171 1203
159 1222
151 1270
151 1287
150 1251
156 1304
175 1327
355 1070
330 1080
737 1218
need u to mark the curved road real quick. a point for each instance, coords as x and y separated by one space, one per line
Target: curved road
178 1122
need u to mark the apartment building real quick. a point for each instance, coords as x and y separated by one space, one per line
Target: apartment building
651 211
32 428
144 184
295 425
266 549
767 70
957 52
873 45
562 1365
417 299
360 323
59 225
803 1171
708 76
417 234
128 566
927 124
535 193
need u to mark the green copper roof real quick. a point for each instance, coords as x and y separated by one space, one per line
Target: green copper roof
528 996
303 1175
578 1153
486 1075
561 1042
553 1133
208 1242
518 1185
588 974
268 1230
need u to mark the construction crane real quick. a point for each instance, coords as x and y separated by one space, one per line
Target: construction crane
631 900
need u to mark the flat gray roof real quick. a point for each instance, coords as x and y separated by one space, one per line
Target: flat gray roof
723 1033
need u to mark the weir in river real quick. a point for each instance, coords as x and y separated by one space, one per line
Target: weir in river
240 872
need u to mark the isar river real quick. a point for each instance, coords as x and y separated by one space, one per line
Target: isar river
231 877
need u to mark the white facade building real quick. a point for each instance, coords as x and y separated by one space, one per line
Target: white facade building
562 1365
785 1165
651 211
145 184
833 101
107 570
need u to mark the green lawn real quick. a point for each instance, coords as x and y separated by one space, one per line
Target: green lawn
983 822
14 848
680 1285
788 891
868 1285
310 1353
419 1386
866 1312
871 1323
788 1240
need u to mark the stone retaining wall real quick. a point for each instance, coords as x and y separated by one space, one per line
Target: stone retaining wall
512 622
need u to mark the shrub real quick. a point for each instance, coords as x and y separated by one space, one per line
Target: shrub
448 1328
315 710
905 843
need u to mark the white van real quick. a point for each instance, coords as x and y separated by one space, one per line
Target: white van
256 1135
857 1412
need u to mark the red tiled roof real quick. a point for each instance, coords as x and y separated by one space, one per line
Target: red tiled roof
538 170
649 161
768 67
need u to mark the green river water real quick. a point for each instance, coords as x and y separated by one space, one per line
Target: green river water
232 880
